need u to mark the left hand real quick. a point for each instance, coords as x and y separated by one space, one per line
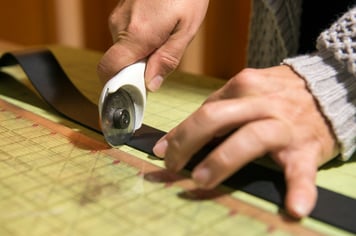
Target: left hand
270 111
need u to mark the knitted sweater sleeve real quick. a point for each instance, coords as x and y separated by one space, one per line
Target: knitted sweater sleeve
330 74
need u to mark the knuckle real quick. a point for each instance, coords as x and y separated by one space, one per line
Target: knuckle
173 144
112 20
246 78
223 159
116 20
173 138
169 61
206 113
270 135
125 36
255 132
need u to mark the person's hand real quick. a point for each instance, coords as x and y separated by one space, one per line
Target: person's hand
267 111
156 30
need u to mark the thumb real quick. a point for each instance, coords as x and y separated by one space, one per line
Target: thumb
165 59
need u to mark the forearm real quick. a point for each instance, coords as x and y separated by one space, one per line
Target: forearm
330 74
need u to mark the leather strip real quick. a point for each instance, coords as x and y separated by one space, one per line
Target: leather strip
47 76
49 79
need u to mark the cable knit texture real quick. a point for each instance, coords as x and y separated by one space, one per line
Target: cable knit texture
274 31
330 74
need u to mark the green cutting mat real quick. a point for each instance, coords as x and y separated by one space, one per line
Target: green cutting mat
54 181
57 182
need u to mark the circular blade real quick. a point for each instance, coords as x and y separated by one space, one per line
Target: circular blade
118 117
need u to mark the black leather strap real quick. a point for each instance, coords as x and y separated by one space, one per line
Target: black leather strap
49 79
55 87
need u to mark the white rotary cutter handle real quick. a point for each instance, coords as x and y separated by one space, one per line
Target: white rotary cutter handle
122 104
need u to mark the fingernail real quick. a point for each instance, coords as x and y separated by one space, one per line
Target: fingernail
155 83
301 207
202 176
160 148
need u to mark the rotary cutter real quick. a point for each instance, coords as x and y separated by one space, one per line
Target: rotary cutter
122 104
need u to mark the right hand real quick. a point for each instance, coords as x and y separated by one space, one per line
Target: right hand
156 30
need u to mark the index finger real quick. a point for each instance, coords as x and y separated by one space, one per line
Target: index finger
211 120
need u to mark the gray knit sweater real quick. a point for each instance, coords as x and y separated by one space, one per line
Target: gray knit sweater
330 72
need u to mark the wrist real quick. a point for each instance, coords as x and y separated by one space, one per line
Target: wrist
331 86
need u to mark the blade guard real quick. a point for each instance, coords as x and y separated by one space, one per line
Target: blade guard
130 79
